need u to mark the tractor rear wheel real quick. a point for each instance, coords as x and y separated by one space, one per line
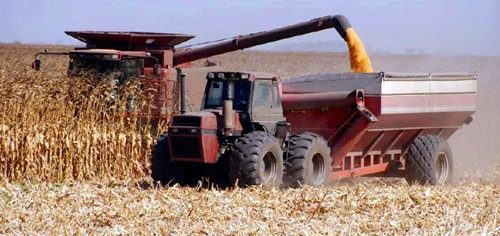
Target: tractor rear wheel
429 161
257 159
164 170
308 162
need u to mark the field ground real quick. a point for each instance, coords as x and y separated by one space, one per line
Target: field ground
372 207
104 200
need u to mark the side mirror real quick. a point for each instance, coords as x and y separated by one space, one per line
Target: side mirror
36 64
157 69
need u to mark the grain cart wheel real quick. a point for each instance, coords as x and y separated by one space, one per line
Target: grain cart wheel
257 158
429 160
162 169
309 161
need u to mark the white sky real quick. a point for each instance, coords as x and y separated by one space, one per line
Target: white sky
438 27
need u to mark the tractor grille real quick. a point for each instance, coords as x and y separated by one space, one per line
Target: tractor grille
186 121
186 147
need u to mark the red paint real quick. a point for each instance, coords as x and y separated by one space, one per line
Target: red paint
337 175
208 139
210 148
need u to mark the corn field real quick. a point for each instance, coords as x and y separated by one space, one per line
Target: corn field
54 128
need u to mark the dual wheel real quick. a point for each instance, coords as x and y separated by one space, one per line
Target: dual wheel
258 159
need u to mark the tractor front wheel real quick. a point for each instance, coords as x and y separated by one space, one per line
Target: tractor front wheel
257 159
164 170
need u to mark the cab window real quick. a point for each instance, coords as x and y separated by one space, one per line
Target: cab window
214 98
216 93
276 96
262 94
131 68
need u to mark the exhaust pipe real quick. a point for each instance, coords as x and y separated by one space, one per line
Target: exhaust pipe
181 77
227 110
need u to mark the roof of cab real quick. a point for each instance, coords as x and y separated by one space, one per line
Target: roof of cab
129 40
256 74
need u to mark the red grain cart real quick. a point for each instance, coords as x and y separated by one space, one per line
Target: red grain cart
383 123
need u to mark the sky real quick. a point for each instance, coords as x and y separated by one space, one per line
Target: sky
396 26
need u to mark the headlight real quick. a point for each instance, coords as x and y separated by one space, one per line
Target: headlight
109 56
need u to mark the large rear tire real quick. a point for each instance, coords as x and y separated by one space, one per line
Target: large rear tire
163 170
309 161
429 161
257 159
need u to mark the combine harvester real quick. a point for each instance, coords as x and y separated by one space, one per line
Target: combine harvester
253 129
153 59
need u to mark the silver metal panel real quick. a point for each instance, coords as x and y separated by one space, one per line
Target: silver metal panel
424 109
428 76
321 83
382 83
428 86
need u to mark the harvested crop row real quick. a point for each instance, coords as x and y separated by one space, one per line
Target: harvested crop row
124 208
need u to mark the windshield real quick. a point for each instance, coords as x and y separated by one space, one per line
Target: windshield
95 65
217 93
123 69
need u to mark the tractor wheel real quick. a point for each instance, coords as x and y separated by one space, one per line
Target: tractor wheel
429 160
257 159
309 161
162 169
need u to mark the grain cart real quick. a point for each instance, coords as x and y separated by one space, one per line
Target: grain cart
153 58
254 129
381 123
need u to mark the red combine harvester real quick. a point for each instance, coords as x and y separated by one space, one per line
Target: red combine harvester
153 58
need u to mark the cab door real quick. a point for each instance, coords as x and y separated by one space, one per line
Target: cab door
266 107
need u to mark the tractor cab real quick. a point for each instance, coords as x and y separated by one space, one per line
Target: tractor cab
254 95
